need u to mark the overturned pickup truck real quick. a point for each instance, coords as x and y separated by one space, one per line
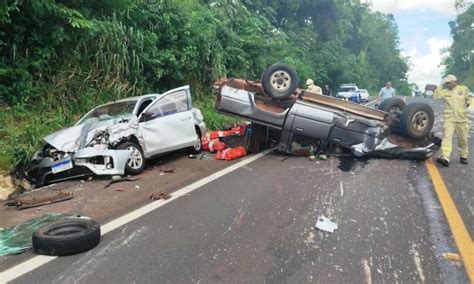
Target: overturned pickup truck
395 130
117 137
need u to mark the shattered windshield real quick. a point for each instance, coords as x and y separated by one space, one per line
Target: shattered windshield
110 111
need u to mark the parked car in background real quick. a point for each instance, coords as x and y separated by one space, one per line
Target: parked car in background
116 138
429 89
364 95
349 92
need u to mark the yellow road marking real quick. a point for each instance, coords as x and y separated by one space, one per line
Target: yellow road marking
458 228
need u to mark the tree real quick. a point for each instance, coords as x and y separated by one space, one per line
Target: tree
460 59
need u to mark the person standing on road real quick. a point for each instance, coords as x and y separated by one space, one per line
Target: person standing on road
312 88
386 92
456 102
327 91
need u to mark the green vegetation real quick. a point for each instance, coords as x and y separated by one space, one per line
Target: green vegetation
59 58
460 60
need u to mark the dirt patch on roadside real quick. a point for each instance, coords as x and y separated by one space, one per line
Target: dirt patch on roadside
6 186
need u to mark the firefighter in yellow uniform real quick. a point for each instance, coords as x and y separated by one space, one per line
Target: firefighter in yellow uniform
456 102
312 88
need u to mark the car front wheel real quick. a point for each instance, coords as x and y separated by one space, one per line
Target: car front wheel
197 147
136 163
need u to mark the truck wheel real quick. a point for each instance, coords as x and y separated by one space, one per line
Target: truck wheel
392 105
280 81
136 163
416 120
66 237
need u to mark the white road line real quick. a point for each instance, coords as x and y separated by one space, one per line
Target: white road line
37 261
417 260
367 272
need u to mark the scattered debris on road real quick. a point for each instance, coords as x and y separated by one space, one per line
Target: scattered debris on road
116 179
452 256
325 224
206 157
160 195
167 170
43 196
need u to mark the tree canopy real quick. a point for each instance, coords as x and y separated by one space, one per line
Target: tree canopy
460 59
61 48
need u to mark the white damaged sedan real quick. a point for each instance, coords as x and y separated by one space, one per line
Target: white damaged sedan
116 138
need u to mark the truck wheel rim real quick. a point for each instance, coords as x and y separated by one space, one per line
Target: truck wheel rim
420 121
136 159
280 80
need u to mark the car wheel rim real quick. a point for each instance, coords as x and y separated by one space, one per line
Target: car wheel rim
197 146
136 158
420 121
280 81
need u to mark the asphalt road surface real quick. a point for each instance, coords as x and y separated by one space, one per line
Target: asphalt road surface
257 224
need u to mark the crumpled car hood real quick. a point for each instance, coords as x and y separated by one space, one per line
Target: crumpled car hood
76 137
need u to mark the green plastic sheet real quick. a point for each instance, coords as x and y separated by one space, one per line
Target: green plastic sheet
17 239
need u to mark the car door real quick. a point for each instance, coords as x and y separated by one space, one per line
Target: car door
167 123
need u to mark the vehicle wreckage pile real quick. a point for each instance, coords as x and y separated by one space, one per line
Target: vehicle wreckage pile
117 138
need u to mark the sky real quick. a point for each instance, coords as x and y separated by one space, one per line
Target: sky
424 31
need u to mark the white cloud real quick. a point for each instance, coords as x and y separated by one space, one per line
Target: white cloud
394 6
427 68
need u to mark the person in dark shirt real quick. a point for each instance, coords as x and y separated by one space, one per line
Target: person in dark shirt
327 91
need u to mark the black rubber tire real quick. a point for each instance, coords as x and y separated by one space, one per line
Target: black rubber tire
419 114
193 149
129 169
66 237
280 81
391 104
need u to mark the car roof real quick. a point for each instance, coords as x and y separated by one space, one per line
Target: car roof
136 98
130 99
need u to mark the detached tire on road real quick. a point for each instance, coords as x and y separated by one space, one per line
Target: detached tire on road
280 81
136 163
416 120
66 237
392 105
